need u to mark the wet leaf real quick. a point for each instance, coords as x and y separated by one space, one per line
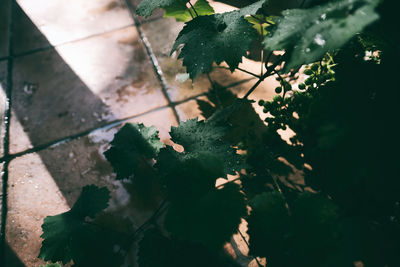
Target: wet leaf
203 142
216 38
132 148
180 12
307 34
68 236
146 7
210 220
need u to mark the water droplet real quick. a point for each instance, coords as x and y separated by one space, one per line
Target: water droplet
319 40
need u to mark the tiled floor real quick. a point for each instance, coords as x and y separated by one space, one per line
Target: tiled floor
71 73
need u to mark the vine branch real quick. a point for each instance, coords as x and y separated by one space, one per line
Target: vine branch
243 70
150 220
248 245
195 12
268 73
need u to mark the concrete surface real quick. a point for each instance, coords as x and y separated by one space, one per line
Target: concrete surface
79 69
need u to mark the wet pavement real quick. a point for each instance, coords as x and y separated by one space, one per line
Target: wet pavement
71 73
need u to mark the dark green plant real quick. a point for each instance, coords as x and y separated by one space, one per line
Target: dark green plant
329 197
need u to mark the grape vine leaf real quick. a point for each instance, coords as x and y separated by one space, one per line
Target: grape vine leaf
180 12
211 220
216 38
131 149
188 178
155 249
261 23
286 232
307 34
67 235
146 7
268 224
202 140
149 255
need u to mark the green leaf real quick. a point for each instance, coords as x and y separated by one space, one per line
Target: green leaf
268 224
131 149
204 141
261 23
286 234
188 178
314 211
307 34
210 220
216 38
157 250
91 201
180 12
67 236
146 7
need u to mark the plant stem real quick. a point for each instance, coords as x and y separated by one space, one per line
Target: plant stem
268 57
284 90
190 12
195 12
255 86
231 181
259 20
262 52
210 80
243 70
278 188
248 245
150 220
268 73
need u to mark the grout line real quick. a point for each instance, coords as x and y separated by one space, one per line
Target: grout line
176 103
29 52
108 125
111 124
50 47
6 141
153 60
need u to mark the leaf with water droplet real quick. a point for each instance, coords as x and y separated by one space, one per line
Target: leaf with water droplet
181 12
69 235
222 37
307 34
132 147
203 142
146 7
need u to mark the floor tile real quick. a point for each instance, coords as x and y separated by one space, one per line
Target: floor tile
4 27
161 35
63 21
240 82
3 103
189 110
49 182
81 85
